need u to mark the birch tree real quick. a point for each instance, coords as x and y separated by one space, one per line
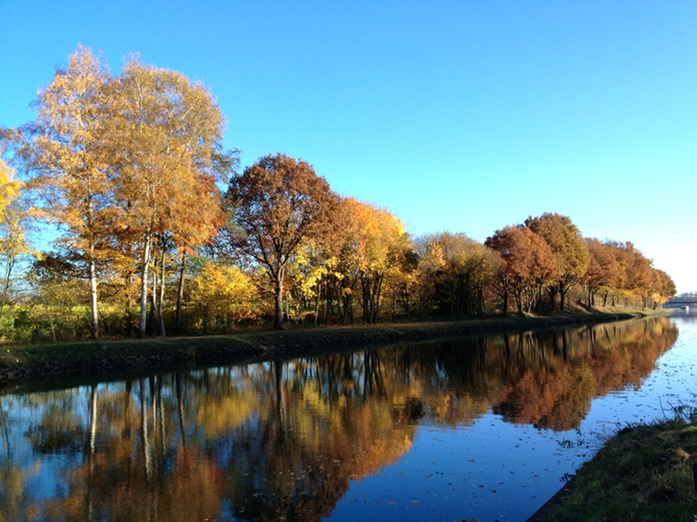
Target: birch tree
169 133
69 164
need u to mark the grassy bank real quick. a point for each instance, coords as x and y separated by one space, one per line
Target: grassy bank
644 473
42 365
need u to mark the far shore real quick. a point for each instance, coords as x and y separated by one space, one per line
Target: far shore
53 365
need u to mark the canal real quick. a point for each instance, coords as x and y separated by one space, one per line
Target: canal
482 427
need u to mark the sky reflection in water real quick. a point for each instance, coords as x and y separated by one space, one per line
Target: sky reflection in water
486 428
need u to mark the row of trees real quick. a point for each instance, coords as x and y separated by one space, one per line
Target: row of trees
156 228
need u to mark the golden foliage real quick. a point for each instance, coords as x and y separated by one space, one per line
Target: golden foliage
224 291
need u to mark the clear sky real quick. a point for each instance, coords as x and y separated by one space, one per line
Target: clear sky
465 116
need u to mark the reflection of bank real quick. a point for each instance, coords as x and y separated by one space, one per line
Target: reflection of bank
553 376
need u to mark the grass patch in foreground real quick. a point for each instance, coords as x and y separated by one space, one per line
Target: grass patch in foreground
644 473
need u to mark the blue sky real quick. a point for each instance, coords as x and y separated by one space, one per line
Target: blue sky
465 116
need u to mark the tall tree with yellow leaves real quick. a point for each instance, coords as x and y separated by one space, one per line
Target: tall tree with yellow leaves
373 249
71 167
12 212
168 134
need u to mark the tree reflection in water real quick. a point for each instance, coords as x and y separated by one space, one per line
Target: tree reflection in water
283 439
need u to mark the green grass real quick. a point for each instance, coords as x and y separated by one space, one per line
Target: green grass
644 473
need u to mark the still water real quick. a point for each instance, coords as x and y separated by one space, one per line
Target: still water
487 428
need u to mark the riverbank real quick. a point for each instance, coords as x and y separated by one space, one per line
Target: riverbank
35 366
644 473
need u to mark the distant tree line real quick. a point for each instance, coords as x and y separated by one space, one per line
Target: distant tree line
157 232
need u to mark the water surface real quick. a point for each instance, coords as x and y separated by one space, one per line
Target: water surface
485 427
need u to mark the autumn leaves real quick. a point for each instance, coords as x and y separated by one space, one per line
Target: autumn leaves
128 167
132 169
547 257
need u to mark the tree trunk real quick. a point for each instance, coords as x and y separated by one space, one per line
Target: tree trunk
180 295
504 304
377 295
93 297
160 301
317 301
372 293
144 287
553 296
365 287
539 299
154 295
130 323
278 299
347 309
6 283
480 302
518 294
